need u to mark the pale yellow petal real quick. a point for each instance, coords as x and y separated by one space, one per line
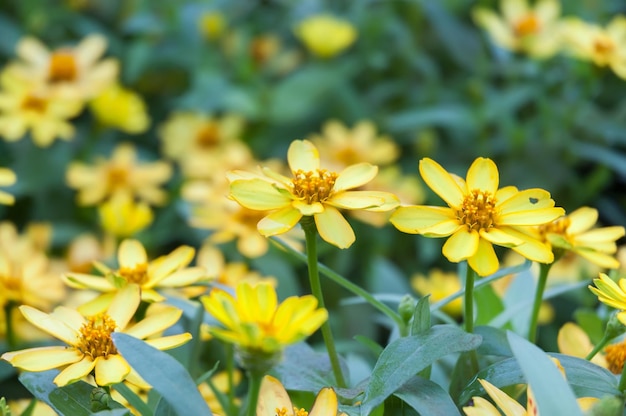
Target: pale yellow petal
483 175
500 237
325 403
526 200
582 219
481 407
155 323
184 277
461 245
90 49
496 27
531 217
600 259
83 281
258 194
334 228
354 176
131 253
111 370
169 342
441 182
75 372
49 324
419 219
272 396
42 358
279 221
509 406
355 200
485 261
390 201
124 305
303 155
572 340
308 209
600 235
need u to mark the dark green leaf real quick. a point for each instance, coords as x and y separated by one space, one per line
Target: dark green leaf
421 316
427 398
494 341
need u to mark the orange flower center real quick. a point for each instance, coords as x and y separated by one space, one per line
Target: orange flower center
615 357
11 285
95 336
348 156
603 45
62 67
314 186
478 210
137 274
558 226
35 104
297 412
527 25
208 136
117 176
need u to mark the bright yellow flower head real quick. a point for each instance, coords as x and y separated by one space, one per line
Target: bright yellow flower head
311 191
212 25
274 400
439 285
254 320
75 72
24 108
325 35
479 215
604 46
121 108
7 178
574 232
611 294
123 217
134 268
123 173
90 349
534 30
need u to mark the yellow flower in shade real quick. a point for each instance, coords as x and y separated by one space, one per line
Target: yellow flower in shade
18 407
123 173
121 108
311 191
439 285
7 178
274 401
212 25
604 46
74 72
220 382
326 36
479 215
123 217
254 320
615 356
522 28
574 232
89 346
86 248
572 340
23 108
134 268
611 294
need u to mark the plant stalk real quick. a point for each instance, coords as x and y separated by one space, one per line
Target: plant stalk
544 270
468 302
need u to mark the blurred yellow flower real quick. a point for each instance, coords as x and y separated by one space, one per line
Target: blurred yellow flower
326 36
75 72
615 356
228 274
220 382
479 215
604 46
574 232
212 25
23 109
18 407
122 217
611 294
123 173
274 400
311 191
572 340
7 178
439 285
89 346
522 28
254 320
86 248
121 108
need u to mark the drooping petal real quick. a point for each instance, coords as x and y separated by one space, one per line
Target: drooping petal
483 175
355 200
111 370
258 194
75 372
461 245
334 228
42 358
49 324
441 182
417 219
124 305
131 253
303 155
354 176
484 261
325 403
279 221
169 342
272 396
155 323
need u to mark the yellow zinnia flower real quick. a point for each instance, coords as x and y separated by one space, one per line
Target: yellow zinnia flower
255 321
611 294
121 108
7 178
274 401
479 215
325 35
134 268
311 192
88 338
123 173
534 30
439 285
123 217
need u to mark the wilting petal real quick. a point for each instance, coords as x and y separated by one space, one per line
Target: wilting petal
272 396
124 305
279 221
258 194
169 342
75 372
355 200
131 253
483 175
303 155
416 219
111 370
354 176
485 261
49 324
334 228
155 323
440 181
42 358
325 403
461 245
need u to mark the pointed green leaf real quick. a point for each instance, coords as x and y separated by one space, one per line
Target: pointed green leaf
427 398
421 316
494 341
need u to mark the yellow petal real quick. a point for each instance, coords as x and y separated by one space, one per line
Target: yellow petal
325 403
162 267
70 317
531 217
526 200
483 175
500 237
75 372
279 221
418 219
308 209
272 396
582 219
111 370
572 340
169 342
531 248
131 253
184 277
600 259
124 305
481 407
485 261
83 281
303 155
509 406
49 324
258 194
354 176
461 245
334 228
599 235
155 323
355 200
42 358
390 201
441 182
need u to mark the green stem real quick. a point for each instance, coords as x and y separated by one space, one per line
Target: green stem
310 234
622 381
351 287
230 369
468 316
254 378
544 269
605 340
10 331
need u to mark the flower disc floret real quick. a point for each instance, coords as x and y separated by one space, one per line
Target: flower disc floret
314 186
95 336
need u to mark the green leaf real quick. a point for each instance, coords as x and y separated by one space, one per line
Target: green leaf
166 375
164 409
370 344
133 399
427 398
494 341
405 357
552 393
421 316
442 115
591 323
489 304
303 369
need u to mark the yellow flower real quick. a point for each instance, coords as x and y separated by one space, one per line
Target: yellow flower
572 340
604 46
255 321
134 268
84 249
88 338
274 401
522 28
70 72
228 274
119 107
24 108
212 25
574 233
325 35
123 217
479 215
611 294
7 178
615 355
439 285
220 381
123 173
310 192
18 407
